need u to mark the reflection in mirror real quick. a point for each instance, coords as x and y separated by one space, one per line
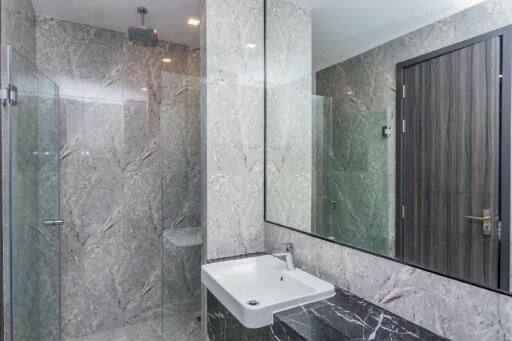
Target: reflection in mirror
388 129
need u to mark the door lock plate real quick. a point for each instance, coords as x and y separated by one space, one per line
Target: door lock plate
487 223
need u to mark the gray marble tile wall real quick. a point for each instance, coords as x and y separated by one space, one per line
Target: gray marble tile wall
129 183
355 182
447 307
18 23
289 114
233 127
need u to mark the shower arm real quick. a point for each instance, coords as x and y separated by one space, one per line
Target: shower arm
142 11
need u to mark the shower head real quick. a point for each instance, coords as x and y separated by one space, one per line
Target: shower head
142 33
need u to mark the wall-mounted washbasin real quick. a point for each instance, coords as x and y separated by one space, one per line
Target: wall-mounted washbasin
255 288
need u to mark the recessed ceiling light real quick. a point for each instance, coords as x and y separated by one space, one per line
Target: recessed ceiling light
144 89
193 21
251 46
167 60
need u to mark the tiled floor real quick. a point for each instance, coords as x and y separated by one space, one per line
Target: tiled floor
178 327
147 331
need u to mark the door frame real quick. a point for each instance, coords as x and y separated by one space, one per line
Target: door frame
505 34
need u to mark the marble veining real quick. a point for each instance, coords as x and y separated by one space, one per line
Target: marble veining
233 127
18 23
130 189
355 189
223 326
449 308
342 317
289 126
348 317
367 82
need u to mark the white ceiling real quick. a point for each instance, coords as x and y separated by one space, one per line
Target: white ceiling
341 28
345 28
169 17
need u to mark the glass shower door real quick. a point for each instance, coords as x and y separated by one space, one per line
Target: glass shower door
31 193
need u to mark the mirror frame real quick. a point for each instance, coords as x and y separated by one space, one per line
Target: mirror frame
505 141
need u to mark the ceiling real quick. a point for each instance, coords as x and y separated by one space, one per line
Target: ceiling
341 28
169 17
345 28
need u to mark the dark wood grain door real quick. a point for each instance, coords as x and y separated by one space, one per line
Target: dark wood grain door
451 162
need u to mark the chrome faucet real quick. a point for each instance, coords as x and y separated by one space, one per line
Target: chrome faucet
286 251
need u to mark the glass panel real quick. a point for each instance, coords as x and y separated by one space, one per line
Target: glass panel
355 181
34 200
181 180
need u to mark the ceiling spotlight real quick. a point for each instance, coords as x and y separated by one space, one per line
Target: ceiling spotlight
144 89
167 60
250 46
193 21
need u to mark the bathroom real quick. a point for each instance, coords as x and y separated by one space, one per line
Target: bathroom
189 170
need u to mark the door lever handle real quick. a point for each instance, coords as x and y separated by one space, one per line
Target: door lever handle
486 222
477 218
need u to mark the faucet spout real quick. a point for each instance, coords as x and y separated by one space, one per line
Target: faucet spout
286 252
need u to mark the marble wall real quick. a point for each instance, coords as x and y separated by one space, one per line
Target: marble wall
233 126
447 307
18 23
289 126
354 191
130 245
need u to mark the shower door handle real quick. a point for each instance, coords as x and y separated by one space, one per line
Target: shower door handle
53 223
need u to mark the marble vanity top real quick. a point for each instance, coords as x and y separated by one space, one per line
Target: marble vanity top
342 317
348 317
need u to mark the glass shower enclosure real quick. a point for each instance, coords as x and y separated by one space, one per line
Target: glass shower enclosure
351 180
30 201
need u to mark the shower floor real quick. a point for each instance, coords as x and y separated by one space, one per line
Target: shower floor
148 331
185 327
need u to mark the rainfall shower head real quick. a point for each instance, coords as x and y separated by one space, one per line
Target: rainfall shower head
142 33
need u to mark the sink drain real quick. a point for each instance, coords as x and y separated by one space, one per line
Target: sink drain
253 302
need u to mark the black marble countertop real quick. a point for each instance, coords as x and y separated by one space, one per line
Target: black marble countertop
342 317
348 317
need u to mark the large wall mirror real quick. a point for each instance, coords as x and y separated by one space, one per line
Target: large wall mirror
388 129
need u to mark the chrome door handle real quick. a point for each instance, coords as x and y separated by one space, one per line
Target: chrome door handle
486 222
53 222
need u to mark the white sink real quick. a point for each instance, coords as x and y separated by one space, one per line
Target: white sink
264 280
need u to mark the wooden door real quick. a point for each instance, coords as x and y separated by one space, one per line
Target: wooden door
450 162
